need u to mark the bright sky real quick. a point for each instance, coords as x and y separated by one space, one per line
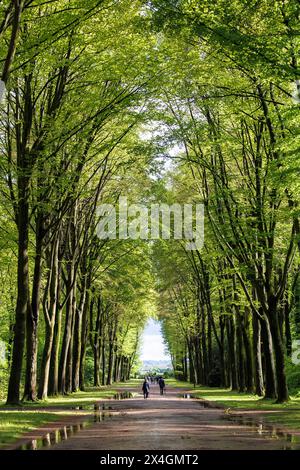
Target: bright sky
152 344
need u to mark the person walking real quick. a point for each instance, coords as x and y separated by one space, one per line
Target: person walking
162 385
146 388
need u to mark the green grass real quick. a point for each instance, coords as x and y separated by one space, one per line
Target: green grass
178 384
130 383
285 414
231 399
290 420
74 399
29 416
15 423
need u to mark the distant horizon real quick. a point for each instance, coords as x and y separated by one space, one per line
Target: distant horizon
159 365
166 362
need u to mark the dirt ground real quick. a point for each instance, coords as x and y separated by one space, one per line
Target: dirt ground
167 422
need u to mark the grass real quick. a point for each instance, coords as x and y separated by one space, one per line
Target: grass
15 423
74 399
231 399
129 383
285 414
176 383
290 419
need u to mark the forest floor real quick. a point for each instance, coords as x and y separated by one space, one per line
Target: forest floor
217 419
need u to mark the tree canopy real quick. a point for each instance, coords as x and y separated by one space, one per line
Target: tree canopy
175 102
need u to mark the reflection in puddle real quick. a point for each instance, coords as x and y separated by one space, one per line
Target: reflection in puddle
53 437
203 403
64 433
100 414
95 407
289 440
122 395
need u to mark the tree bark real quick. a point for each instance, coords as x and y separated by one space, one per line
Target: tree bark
30 392
258 378
50 319
282 389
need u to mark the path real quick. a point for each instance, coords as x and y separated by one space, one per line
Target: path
168 423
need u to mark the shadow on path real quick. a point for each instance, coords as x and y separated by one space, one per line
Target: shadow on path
168 422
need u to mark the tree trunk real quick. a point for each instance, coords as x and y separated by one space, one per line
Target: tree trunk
240 354
245 324
53 388
287 329
204 347
50 320
270 378
13 396
32 320
45 365
103 362
282 389
64 356
110 363
224 382
231 343
258 378
84 339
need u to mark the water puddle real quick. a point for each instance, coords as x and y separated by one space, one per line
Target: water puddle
100 413
96 407
289 440
52 438
189 396
64 433
122 396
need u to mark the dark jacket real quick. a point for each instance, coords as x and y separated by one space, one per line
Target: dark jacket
145 387
161 383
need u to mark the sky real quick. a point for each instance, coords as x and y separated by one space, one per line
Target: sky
152 344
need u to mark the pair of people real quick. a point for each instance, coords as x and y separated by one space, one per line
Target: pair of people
146 387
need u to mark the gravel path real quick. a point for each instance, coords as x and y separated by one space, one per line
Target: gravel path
169 423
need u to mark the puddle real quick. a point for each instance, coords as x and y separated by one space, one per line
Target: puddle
100 413
290 441
64 433
122 396
53 437
203 403
286 440
95 407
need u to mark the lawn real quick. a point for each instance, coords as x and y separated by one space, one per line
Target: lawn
16 421
286 414
74 399
231 399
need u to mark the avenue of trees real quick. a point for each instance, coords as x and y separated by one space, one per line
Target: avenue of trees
75 74
179 101
232 108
